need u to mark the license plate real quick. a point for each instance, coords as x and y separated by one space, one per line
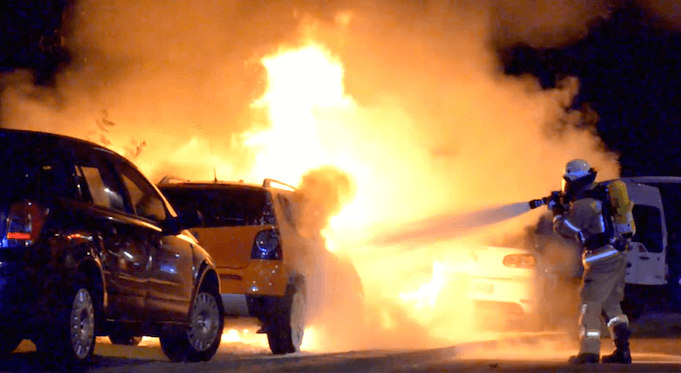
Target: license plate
483 287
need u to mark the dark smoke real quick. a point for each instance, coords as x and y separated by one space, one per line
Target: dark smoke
326 191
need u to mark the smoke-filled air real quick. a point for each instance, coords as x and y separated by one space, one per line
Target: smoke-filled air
389 113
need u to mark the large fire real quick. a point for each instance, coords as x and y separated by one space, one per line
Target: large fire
310 123
307 113
301 83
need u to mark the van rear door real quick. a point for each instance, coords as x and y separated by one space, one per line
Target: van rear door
646 257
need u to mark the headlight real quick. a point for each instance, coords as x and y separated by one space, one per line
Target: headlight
520 260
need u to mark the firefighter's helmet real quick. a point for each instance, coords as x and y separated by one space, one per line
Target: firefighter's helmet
578 174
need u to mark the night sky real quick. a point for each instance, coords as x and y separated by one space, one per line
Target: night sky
627 65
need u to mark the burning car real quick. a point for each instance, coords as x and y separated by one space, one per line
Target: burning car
502 285
269 261
90 247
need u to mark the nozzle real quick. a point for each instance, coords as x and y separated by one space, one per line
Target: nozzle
537 202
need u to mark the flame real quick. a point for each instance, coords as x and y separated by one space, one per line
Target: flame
300 83
231 336
311 122
426 295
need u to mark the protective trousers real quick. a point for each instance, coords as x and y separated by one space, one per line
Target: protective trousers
602 290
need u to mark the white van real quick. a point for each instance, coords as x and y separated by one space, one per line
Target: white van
653 268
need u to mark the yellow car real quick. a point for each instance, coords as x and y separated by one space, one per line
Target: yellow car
265 256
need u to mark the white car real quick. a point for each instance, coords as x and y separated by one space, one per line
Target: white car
503 286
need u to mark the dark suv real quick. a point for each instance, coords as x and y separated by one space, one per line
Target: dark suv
89 247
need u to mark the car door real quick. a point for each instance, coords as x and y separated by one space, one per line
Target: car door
124 254
646 257
170 256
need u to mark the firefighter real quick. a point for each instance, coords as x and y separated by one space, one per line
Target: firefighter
586 212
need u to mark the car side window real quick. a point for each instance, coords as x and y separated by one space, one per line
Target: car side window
144 199
288 211
268 216
95 184
101 183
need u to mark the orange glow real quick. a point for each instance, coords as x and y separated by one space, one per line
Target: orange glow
311 340
426 295
312 123
300 83
248 336
230 336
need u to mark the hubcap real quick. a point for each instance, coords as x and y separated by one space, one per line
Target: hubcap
204 323
297 320
82 324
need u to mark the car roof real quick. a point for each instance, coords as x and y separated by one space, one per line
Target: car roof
175 182
27 135
208 185
653 179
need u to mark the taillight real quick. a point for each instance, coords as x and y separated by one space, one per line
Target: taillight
24 222
267 245
519 260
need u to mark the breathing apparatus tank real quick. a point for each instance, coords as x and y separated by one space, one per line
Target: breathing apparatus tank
622 209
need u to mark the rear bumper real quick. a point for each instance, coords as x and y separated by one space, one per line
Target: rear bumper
515 293
249 306
258 278
235 305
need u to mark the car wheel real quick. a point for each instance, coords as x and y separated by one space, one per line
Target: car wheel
9 342
73 337
285 334
124 338
199 340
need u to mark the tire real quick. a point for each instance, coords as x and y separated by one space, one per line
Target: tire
8 343
285 334
198 341
124 339
72 340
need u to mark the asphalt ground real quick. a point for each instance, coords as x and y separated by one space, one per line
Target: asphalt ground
656 347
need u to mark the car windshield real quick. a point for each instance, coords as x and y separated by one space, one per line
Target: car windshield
223 207
30 171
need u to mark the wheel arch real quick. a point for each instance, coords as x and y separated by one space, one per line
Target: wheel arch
206 273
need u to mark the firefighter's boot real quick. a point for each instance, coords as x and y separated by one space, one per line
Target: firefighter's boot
583 358
622 355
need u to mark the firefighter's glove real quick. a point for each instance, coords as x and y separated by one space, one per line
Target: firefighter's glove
556 207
